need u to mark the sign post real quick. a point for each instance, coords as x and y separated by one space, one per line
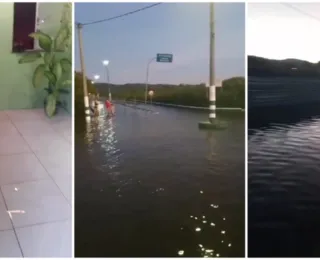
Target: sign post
161 57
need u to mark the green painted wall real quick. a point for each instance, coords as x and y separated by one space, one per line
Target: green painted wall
16 90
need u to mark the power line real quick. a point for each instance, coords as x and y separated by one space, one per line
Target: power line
300 11
122 15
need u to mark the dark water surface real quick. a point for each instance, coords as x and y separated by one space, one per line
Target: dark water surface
284 186
152 184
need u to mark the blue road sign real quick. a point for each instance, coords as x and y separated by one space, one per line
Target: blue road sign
163 57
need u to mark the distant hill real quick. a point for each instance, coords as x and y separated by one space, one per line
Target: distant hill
232 94
102 88
262 67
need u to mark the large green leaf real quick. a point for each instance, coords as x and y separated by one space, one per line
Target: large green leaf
64 91
48 56
29 57
59 41
66 65
38 76
45 41
57 70
51 105
65 84
51 77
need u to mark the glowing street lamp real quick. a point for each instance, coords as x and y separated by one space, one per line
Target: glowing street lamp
105 64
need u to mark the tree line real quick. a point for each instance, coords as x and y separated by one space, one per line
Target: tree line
231 94
262 67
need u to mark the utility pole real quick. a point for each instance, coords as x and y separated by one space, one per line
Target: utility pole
83 69
110 97
212 87
212 124
106 64
108 81
147 79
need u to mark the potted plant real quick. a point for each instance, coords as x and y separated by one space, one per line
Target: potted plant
55 66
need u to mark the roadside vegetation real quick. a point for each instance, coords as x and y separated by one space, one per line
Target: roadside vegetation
232 94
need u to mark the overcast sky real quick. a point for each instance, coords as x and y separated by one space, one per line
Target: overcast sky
178 28
278 31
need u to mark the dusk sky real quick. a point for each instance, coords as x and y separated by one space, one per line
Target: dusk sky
178 28
278 31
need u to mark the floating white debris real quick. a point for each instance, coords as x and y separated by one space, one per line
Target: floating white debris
191 216
223 232
224 218
203 216
198 229
222 241
229 245
204 221
214 206
217 255
195 218
202 249
212 224
181 252
201 192
200 245
209 250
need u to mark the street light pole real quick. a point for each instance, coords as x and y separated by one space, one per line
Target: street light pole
212 123
106 63
212 88
83 69
147 79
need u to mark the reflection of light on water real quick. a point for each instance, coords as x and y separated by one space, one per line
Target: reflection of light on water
101 139
202 224
89 134
108 141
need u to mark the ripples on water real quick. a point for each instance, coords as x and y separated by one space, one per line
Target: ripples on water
284 190
151 184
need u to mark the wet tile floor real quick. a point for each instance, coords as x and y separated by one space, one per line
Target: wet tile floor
35 184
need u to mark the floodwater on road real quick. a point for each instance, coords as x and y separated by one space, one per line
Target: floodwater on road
284 187
151 184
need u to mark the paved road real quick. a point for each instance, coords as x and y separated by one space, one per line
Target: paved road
147 180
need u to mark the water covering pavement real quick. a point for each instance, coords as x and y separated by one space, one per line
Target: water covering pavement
284 185
148 182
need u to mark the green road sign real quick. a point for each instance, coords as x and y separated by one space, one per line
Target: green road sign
163 57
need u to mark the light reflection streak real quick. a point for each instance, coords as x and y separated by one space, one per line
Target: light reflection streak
202 223
10 212
101 136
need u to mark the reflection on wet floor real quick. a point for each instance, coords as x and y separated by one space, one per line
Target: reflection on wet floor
157 186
